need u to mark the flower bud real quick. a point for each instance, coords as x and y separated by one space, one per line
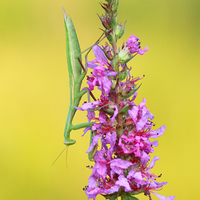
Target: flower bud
119 31
105 22
113 21
105 7
127 95
110 2
110 36
124 55
113 84
115 64
118 89
108 51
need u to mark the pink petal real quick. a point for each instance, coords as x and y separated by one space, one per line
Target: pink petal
153 162
94 141
144 158
143 103
91 65
85 130
114 115
110 73
141 52
133 113
122 181
163 197
113 189
92 181
154 143
101 169
99 54
158 132
118 165
106 84
142 122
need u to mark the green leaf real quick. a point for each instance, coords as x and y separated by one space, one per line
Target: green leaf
128 197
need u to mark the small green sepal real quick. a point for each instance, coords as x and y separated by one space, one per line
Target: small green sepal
123 74
110 36
130 93
116 7
113 22
119 31
114 64
125 110
111 2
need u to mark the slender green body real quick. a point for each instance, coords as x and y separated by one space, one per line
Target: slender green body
73 52
76 76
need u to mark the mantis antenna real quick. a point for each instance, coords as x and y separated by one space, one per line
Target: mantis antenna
60 155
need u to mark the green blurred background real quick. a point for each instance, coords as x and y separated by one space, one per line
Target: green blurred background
35 93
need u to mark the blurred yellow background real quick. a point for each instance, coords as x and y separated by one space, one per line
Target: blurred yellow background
34 93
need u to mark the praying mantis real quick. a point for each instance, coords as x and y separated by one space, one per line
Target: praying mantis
75 78
76 74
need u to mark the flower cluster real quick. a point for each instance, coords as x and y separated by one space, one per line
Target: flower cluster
121 130
122 161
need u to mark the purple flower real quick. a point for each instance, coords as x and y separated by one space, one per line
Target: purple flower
101 71
122 181
118 165
141 115
109 170
121 129
134 45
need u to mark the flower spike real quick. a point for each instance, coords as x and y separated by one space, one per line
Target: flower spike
121 130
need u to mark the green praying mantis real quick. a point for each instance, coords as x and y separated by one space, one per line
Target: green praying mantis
76 74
